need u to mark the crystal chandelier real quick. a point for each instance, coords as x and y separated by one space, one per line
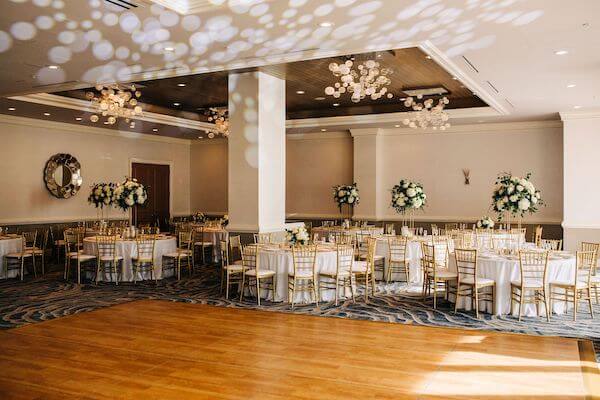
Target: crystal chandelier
426 115
219 117
367 80
113 102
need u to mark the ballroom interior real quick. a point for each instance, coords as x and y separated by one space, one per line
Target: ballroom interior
299 199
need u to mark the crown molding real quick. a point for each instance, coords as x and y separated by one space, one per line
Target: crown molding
83 105
499 127
591 113
83 129
318 135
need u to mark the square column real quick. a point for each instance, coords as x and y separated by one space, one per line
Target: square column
368 173
256 147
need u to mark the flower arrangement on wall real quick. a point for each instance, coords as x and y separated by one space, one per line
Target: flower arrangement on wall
346 195
129 193
515 195
101 195
407 196
199 217
297 236
225 220
485 223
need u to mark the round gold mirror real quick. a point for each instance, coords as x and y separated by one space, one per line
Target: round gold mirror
63 175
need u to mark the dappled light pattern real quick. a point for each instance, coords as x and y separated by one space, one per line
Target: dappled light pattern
94 41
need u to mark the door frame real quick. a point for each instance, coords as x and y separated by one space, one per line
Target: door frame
157 162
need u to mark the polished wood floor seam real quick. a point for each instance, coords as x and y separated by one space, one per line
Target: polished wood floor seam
165 350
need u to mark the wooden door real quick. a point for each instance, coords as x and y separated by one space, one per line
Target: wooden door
156 179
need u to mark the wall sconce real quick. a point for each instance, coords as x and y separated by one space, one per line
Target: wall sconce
466 173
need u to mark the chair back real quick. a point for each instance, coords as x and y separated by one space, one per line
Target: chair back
185 240
389 229
484 240
588 246
106 247
533 266
466 264
250 257
235 243
537 235
451 227
467 240
304 259
340 237
262 238
550 244
224 247
362 242
30 238
586 261
345 258
145 248
371 246
72 240
397 249
44 243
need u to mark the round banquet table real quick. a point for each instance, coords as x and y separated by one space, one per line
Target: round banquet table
274 258
325 231
9 244
128 249
504 269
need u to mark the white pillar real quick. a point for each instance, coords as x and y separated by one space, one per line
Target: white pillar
256 152
581 163
368 173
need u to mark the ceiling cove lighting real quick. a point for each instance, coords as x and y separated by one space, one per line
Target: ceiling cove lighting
181 85
561 52
300 92
47 114
326 24
11 109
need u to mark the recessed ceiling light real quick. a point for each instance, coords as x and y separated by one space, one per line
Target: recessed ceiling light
319 98
11 109
47 114
336 104
572 85
52 66
428 57
169 48
300 92
326 24
181 84
455 78
397 126
577 107
78 119
176 104
154 130
105 122
200 137
561 52
323 130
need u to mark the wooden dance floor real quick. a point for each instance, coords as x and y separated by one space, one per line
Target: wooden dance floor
163 350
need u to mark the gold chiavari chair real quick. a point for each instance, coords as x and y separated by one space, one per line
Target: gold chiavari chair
107 258
342 277
143 261
74 246
469 283
595 278
578 289
537 234
58 243
40 251
434 262
199 242
365 270
183 256
362 245
550 244
235 247
20 256
340 237
263 238
467 240
389 229
451 227
255 275
398 260
302 278
531 286
484 240
30 238
231 274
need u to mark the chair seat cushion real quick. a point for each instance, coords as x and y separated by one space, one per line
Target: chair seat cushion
445 274
142 260
234 268
18 255
529 283
238 262
376 257
301 275
74 253
179 254
59 242
261 274
399 260
83 257
203 244
569 283
480 281
109 258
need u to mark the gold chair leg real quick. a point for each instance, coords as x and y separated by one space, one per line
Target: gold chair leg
589 291
258 289
243 282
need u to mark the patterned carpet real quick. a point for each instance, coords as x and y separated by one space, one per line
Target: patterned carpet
50 297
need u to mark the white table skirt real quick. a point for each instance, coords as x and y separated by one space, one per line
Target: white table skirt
7 246
281 262
215 236
128 249
503 270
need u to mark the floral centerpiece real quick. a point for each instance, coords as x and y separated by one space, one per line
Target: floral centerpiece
129 193
199 217
101 195
225 220
408 195
346 194
485 223
515 195
297 236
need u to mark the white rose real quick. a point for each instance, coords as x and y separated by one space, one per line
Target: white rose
419 190
129 201
513 198
351 200
411 192
510 189
524 204
479 224
139 191
534 200
500 204
520 188
405 185
417 203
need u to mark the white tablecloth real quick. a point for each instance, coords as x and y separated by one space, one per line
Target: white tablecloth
9 245
281 262
503 270
128 249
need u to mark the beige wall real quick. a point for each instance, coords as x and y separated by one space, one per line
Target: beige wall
26 145
315 163
208 170
436 160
